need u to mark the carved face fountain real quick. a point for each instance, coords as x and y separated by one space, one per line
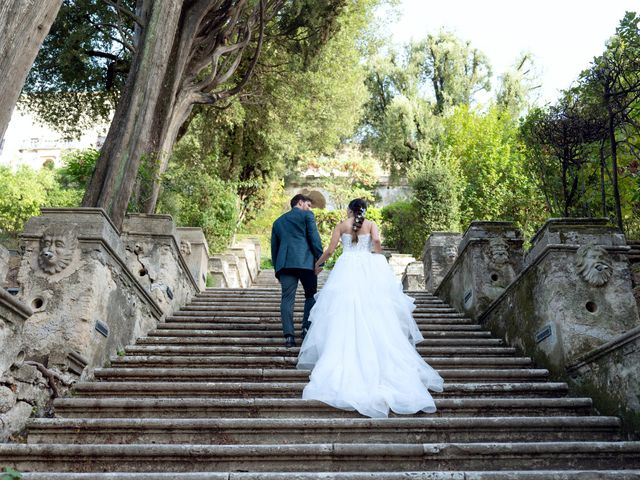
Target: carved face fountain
594 264
57 246
498 251
185 247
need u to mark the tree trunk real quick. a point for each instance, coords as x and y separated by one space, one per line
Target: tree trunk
23 26
131 129
603 193
614 166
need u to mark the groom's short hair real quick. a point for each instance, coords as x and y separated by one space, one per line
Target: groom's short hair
297 198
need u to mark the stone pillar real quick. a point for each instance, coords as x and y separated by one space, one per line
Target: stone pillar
4 264
243 266
251 248
489 257
399 262
218 272
413 278
153 255
13 315
573 296
194 249
230 262
440 251
86 302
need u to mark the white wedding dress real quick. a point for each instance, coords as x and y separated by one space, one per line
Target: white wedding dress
361 343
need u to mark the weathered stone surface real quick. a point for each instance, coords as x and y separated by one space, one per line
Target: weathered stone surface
556 313
14 420
7 399
218 272
13 315
440 251
489 257
153 254
399 262
413 277
243 268
92 307
611 375
195 251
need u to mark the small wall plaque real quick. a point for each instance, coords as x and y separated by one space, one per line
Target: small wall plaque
169 293
102 328
544 333
467 296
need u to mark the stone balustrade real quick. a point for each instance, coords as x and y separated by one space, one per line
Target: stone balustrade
238 266
568 303
489 257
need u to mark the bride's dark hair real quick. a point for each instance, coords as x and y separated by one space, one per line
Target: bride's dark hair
359 207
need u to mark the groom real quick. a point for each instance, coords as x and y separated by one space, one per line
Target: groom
295 247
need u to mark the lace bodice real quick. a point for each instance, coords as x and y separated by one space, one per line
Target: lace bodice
362 245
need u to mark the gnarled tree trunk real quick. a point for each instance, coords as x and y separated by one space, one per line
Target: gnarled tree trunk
23 26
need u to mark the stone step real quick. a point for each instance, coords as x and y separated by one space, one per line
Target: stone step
169 388
257 335
187 350
290 361
290 375
425 475
277 327
275 301
248 321
327 457
240 312
185 407
278 341
284 431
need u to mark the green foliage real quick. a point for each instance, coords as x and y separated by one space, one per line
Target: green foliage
435 207
9 473
401 229
81 68
197 199
78 167
24 192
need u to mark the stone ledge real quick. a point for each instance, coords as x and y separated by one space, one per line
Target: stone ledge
606 349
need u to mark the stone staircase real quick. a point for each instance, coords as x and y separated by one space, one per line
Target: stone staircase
213 394
634 253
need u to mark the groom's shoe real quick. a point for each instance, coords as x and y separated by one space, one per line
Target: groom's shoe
290 341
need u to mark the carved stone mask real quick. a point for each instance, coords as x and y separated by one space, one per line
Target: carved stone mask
594 264
451 251
498 251
185 247
57 246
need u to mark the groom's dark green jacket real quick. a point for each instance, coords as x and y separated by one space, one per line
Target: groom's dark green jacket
295 241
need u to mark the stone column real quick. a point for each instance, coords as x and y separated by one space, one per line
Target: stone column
440 251
195 250
251 248
413 277
243 266
153 254
218 272
86 302
230 262
573 296
4 264
489 257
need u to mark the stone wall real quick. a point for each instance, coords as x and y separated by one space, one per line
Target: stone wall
195 251
157 257
440 252
238 266
572 308
22 387
489 257
610 374
413 277
87 304
4 264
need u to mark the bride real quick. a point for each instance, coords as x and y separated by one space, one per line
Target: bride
361 343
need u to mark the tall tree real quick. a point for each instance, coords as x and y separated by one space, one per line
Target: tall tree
615 78
23 27
455 69
186 52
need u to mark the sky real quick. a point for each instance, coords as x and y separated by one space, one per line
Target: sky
562 35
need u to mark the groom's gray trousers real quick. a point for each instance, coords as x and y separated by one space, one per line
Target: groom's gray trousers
289 282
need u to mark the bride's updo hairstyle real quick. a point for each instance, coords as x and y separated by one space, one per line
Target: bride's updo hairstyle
359 208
